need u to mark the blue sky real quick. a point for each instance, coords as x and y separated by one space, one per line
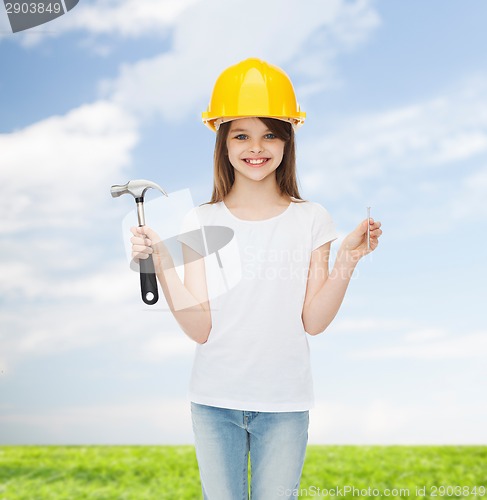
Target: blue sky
396 100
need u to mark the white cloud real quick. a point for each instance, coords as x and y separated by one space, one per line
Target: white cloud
427 136
218 27
56 176
208 37
349 423
402 338
139 422
353 25
57 172
424 334
423 163
368 325
129 18
60 291
124 18
469 200
41 279
169 422
160 348
61 326
431 345
442 421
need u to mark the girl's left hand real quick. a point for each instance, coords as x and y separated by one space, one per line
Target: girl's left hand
354 246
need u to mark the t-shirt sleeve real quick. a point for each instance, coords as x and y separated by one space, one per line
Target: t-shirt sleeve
323 227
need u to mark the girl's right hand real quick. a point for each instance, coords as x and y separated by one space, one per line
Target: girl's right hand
141 242
145 242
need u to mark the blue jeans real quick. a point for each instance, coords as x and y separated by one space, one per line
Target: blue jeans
276 442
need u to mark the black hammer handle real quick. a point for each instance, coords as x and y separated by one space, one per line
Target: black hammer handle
148 281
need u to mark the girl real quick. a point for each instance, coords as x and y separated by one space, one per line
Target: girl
251 387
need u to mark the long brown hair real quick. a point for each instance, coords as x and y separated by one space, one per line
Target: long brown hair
223 171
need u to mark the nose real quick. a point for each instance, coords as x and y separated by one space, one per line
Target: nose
256 147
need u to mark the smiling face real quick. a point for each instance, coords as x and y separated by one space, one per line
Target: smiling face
253 150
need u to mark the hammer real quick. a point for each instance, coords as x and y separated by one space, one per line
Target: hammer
148 281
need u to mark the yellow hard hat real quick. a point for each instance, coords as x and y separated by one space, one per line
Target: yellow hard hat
253 88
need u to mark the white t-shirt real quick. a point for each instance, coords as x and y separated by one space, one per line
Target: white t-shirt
256 357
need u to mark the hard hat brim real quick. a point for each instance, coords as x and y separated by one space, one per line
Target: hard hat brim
214 123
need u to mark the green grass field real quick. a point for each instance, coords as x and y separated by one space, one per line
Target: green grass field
171 472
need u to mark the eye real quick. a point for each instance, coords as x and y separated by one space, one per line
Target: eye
270 136
241 137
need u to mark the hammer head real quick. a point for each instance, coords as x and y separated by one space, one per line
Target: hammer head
136 188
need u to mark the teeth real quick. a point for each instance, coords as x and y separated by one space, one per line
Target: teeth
256 162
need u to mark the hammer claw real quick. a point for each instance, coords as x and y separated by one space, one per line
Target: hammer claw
136 188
